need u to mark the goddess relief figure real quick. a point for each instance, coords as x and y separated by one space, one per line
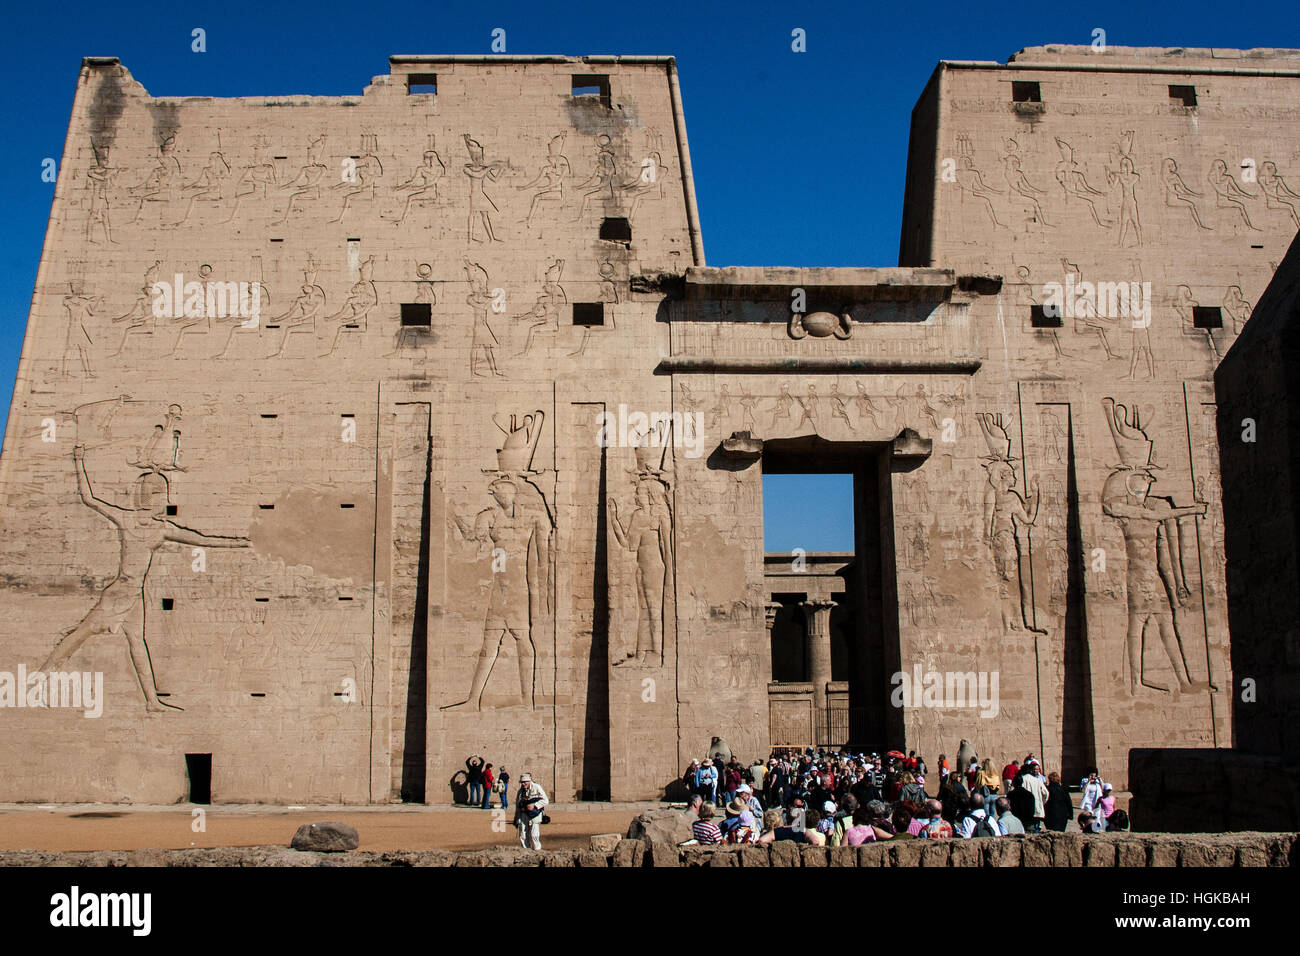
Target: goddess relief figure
1005 513
648 533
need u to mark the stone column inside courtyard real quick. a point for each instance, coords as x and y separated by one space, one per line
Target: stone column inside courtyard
818 617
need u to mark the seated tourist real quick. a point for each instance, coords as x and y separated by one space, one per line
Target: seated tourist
704 829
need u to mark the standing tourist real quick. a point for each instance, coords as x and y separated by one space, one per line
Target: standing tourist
1059 807
528 812
474 777
503 781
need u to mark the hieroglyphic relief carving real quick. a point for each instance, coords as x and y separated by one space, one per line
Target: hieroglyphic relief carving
158 186
257 178
809 408
1006 516
483 341
549 181
77 344
865 406
306 309
970 181
1236 306
1020 185
648 533
362 297
209 187
1126 178
253 322
307 184
1277 194
1073 181
1228 194
648 183
838 407
141 316
517 527
410 335
544 317
362 174
422 186
1156 586
202 319
602 182
1089 319
480 173
1178 193
99 179
784 406
141 530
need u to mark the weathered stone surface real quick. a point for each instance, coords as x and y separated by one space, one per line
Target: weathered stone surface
966 852
874 854
1099 851
784 853
1003 851
905 852
629 852
1035 851
1162 854
325 837
818 856
936 852
755 856
593 858
843 856
1067 849
1131 853
605 842
669 827
663 854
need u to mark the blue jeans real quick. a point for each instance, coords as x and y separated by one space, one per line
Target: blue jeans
504 788
475 794
487 798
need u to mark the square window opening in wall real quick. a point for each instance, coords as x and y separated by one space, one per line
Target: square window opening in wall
1041 317
417 315
595 85
617 229
1207 317
171 511
1024 91
589 313
1182 95
422 83
168 604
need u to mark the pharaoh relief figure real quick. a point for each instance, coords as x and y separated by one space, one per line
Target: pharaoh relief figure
1007 518
1155 583
648 533
517 529
142 530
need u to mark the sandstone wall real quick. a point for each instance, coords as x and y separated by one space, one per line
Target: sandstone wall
1047 850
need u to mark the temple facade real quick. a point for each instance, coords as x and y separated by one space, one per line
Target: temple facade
353 436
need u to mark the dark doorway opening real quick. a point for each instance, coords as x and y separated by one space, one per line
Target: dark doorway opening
198 770
863 624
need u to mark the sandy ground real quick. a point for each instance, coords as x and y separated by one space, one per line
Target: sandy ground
118 827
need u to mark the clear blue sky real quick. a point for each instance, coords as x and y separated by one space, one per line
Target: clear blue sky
799 157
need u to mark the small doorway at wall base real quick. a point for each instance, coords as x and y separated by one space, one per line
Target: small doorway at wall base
198 771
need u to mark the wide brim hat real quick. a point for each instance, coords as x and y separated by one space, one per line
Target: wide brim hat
737 807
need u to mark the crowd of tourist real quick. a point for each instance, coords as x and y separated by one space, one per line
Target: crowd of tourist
842 799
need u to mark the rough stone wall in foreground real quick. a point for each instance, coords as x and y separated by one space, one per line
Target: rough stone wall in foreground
1046 850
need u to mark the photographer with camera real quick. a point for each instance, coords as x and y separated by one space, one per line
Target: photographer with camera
528 812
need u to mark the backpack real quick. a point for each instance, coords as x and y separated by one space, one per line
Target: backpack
986 828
